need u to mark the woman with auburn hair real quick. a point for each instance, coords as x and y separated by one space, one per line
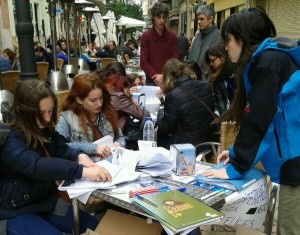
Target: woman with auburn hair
188 106
87 115
114 77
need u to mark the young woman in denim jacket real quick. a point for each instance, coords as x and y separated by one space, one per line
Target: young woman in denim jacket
32 158
87 115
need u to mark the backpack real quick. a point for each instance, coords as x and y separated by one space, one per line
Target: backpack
281 141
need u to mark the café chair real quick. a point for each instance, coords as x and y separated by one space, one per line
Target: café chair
126 59
61 96
106 61
42 69
60 63
9 80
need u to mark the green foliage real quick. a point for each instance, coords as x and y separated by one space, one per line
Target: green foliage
120 8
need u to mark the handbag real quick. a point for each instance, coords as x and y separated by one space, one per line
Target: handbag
133 129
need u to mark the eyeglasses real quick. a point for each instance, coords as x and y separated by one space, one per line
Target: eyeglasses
212 60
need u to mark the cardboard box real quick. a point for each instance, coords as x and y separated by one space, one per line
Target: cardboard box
116 223
185 159
241 230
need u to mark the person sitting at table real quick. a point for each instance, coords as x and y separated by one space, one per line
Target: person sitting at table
114 78
187 112
32 157
87 115
41 55
105 53
134 81
129 50
11 56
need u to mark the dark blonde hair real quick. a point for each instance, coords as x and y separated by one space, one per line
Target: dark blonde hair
173 70
27 110
83 84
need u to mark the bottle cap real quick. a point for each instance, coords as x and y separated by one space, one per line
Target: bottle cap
149 118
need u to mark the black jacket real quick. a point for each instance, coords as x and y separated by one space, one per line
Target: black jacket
185 118
27 176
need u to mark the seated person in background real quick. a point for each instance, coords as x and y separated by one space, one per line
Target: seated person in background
41 55
64 48
105 53
32 158
87 115
61 55
185 118
221 75
4 64
11 56
114 77
134 81
129 49
91 50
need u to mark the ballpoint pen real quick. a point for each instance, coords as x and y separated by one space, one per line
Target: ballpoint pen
146 200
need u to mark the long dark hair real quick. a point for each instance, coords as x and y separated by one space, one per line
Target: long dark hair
250 27
83 84
27 111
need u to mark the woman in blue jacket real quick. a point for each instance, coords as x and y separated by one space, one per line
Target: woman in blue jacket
264 115
32 158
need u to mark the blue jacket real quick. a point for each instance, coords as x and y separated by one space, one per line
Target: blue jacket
28 177
4 64
271 124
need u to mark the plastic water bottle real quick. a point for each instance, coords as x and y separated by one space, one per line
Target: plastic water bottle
148 131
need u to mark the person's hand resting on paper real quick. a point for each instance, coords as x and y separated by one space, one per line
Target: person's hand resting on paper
104 150
218 173
96 172
157 78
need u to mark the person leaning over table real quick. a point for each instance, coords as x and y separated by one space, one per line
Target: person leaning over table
87 115
114 78
184 118
260 114
32 158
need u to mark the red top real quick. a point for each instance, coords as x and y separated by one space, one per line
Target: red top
156 50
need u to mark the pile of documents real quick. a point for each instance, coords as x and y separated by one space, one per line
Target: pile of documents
82 188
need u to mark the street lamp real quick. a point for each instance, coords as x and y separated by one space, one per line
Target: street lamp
79 5
56 78
24 30
68 70
89 13
105 21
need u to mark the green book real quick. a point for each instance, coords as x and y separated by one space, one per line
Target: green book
177 210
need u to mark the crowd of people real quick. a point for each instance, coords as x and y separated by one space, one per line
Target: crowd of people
201 82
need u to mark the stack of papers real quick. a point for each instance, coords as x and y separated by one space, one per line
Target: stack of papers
82 188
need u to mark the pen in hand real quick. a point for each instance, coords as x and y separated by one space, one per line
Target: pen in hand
146 200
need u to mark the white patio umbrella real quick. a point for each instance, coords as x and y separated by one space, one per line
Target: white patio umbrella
130 22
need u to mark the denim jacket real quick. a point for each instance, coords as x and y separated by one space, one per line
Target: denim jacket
69 126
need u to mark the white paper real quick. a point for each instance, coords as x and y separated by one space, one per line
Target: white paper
106 140
150 93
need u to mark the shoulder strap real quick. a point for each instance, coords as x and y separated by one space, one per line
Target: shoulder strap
197 98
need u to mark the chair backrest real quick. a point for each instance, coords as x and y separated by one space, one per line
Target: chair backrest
9 80
126 58
60 63
106 61
61 96
42 69
227 135
74 62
